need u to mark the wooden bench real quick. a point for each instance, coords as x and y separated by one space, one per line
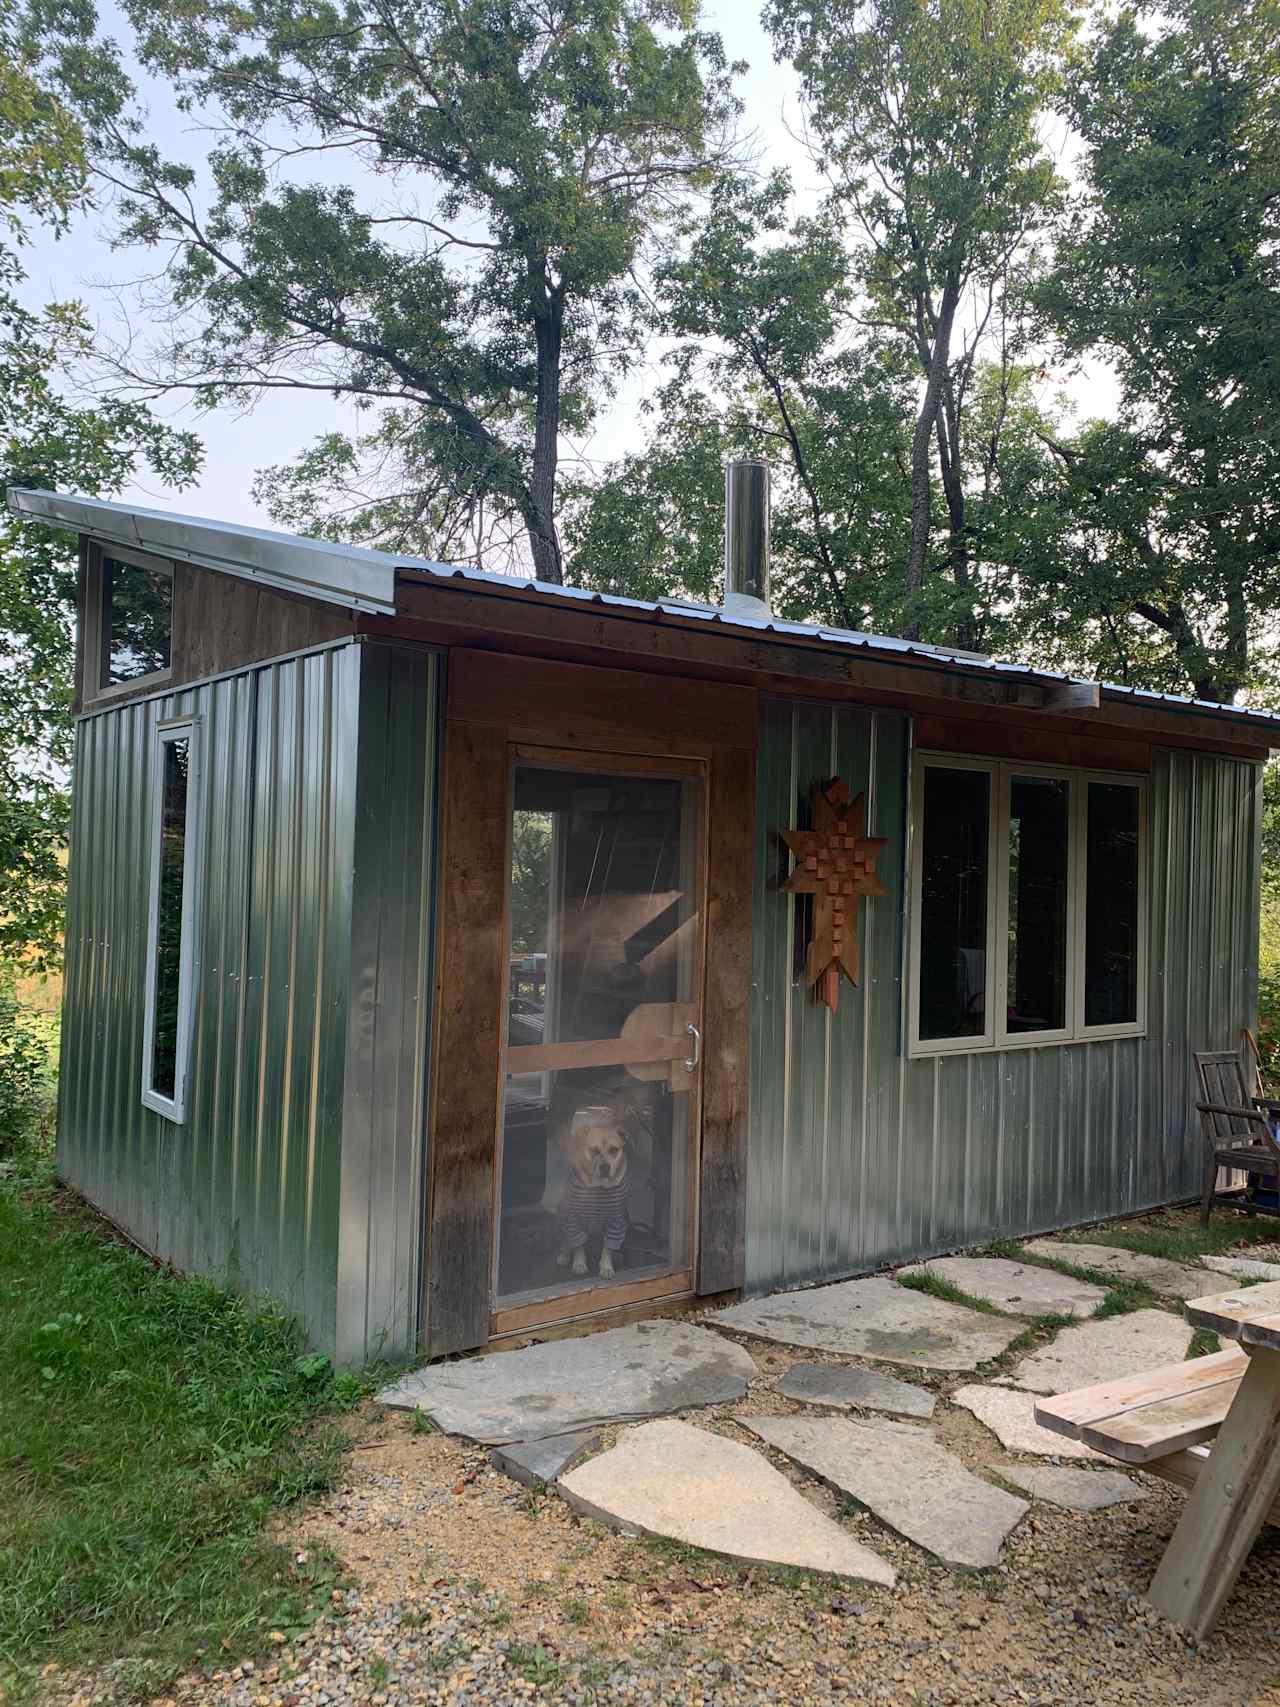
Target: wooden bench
1160 1421
1165 1422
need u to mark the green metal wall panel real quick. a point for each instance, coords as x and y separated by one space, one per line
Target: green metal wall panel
309 764
858 1156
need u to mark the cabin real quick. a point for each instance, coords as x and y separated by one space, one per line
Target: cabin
454 957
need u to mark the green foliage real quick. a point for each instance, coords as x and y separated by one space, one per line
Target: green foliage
1169 270
482 294
24 1079
148 1426
758 303
926 116
530 880
46 439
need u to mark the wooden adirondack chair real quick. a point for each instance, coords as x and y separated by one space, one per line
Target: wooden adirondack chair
1237 1128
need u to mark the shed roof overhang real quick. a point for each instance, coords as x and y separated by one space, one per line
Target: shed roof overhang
345 575
529 615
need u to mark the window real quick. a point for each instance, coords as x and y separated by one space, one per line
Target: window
1028 905
137 620
174 838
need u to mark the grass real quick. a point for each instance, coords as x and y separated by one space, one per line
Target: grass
1038 1331
149 1424
1122 1295
1204 1342
535 1665
926 1281
1176 1234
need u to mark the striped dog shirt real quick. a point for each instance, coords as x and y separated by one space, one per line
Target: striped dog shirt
588 1209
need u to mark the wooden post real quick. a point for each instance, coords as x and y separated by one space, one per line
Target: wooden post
1227 1507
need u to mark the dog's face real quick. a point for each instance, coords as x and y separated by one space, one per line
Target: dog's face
597 1151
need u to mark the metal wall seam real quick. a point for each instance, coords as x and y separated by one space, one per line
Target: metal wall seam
926 1155
387 1046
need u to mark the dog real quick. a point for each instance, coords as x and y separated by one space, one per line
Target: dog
595 1198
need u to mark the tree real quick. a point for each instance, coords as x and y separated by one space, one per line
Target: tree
925 117
503 169
1173 274
46 439
765 364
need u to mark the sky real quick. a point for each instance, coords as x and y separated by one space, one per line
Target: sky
240 441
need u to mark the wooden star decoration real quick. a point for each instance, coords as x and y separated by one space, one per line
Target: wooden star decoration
835 862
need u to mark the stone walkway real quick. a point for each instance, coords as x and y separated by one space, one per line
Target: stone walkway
670 1479
1010 1416
1020 1288
543 1408
1103 1351
1173 1279
906 1479
647 1370
874 1318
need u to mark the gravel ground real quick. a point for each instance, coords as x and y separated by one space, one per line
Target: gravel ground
470 1590
466 1589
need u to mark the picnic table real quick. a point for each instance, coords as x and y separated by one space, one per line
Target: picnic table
1211 1424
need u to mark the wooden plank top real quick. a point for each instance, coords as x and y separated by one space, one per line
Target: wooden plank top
1250 1314
1070 1413
1154 1431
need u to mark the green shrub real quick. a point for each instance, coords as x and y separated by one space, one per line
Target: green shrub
24 1080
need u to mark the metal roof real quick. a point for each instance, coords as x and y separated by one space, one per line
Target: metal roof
338 574
363 579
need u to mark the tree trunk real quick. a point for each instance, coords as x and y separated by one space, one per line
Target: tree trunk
948 431
540 510
939 360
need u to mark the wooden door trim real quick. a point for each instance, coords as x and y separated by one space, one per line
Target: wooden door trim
590 1301
616 1051
621 760
497 704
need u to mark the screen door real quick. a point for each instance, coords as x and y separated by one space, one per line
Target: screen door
597 1149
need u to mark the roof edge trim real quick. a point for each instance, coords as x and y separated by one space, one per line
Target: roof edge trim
351 576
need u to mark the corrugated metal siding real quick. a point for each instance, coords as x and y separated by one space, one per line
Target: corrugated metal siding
252 1186
859 1156
393 879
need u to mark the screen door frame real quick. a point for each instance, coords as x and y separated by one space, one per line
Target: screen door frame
580 1301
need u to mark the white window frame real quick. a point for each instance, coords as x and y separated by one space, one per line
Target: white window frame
175 729
995 1036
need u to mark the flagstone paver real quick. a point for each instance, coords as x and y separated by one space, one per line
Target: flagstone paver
1021 1288
1108 1350
671 1479
906 1479
1243 1268
874 1318
1174 1279
846 1389
1076 1490
1010 1415
641 1371
537 1462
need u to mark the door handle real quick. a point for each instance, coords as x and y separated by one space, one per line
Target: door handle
693 1060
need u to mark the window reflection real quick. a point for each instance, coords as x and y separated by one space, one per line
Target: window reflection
953 903
169 911
1039 834
137 605
1111 910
